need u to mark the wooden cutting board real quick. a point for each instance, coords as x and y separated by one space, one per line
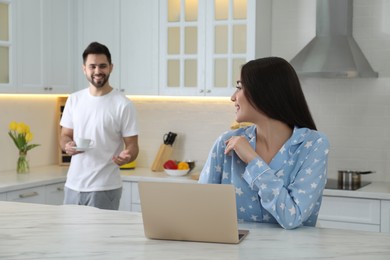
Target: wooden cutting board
163 155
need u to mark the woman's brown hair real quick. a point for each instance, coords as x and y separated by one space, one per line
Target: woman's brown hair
272 86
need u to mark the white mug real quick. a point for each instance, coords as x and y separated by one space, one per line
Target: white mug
84 143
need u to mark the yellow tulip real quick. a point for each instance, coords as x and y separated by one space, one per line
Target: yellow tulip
29 137
13 125
21 135
22 128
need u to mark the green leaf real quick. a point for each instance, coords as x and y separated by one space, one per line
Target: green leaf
14 139
21 141
31 146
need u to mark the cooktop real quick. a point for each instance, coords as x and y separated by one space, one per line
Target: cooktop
335 185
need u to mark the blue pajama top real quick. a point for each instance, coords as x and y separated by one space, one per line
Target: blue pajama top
287 191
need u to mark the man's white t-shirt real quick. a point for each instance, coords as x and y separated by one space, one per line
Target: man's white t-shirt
106 120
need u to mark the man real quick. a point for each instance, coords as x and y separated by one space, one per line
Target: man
106 117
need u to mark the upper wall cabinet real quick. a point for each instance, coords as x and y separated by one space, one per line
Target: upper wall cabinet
129 28
204 43
139 47
6 47
166 47
44 46
98 21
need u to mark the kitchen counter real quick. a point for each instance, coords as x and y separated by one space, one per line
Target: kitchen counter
146 174
33 231
374 190
10 180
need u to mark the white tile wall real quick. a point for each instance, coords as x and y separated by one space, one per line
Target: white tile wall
354 113
39 112
197 122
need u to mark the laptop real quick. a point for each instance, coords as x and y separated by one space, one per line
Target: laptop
190 212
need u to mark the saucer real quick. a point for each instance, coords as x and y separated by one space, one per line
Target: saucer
82 149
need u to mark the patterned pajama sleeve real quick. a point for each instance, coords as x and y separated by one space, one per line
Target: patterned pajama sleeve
292 202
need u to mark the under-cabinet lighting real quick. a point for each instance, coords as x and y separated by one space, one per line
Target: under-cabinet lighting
19 96
132 97
177 98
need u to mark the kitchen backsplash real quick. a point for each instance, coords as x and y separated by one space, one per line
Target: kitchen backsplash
354 114
197 122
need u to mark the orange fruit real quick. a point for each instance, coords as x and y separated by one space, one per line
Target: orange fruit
183 166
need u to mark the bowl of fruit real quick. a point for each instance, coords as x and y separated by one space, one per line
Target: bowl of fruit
175 168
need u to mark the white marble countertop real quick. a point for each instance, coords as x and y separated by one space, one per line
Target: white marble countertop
146 174
10 180
33 231
374 190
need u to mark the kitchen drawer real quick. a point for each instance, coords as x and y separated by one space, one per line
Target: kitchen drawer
54 194
3 196
385 216
353 210
135 201
32 195
350 213
135 193
130 197
125 203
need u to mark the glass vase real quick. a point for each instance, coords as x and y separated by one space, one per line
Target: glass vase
22 165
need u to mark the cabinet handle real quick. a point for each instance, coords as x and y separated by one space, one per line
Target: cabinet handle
208 91
28 194
201 91
60 189
48 88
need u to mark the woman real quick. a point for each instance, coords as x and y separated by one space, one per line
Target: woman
279 164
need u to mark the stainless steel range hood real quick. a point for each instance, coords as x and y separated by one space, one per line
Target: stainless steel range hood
333 53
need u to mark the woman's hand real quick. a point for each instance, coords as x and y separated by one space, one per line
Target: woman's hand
242 147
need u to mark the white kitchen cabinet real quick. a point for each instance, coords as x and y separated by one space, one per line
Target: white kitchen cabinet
385 216
50 36
31 195
44 42
212 47
205 43
135 200
7 60
98 21
54 194
130 31
51 194
125 202
139 47
350 213
130 197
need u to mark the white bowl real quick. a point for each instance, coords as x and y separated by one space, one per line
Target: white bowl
176 172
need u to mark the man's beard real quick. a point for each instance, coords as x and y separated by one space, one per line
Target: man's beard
101 82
